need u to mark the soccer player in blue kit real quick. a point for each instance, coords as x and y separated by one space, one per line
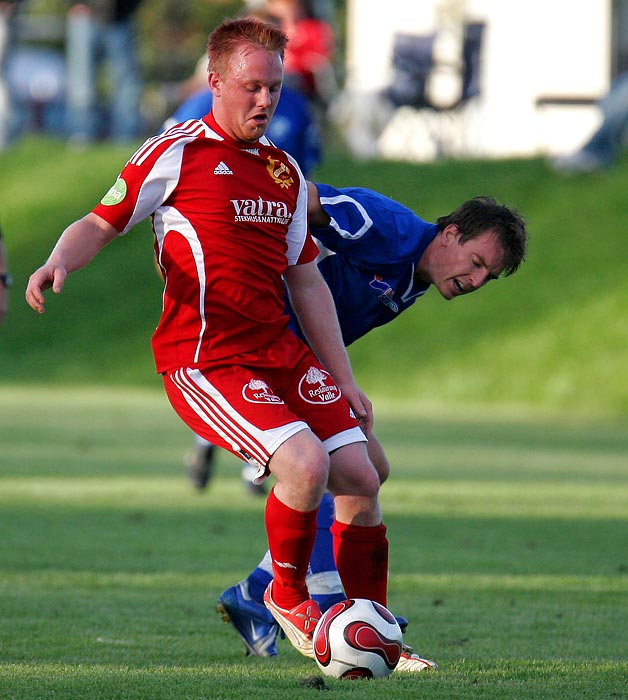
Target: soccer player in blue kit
378 257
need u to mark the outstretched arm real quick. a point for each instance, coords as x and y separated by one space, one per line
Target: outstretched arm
78 244
312 302
316 215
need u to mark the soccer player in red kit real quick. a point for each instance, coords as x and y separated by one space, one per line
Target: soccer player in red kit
229 214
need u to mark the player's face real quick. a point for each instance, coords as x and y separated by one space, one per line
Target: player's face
462 268
246 95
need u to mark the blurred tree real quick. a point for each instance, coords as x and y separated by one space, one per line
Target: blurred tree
174 34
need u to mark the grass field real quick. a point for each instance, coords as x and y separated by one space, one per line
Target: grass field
504 415
552 338
508 554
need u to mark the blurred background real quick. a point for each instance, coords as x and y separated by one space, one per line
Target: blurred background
429 102
462 78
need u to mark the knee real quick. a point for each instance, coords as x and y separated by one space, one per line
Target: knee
368 483
303 462
311 469
378 458
353 474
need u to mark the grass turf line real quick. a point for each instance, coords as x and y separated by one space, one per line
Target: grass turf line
507 554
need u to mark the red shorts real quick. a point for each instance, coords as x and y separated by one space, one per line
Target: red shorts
254 404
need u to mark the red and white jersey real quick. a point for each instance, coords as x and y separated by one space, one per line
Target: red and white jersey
228 218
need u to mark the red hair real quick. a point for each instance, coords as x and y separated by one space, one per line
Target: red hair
231 34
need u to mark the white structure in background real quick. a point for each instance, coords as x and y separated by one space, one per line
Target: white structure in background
529 51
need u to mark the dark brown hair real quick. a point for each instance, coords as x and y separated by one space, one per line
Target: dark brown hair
482 214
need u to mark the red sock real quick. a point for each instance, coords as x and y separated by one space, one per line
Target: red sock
291 536
361 555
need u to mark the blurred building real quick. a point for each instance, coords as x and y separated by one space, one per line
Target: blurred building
477 78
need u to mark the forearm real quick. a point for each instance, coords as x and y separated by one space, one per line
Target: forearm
316 312
80 242
314 306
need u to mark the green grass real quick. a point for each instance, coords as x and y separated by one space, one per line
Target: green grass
508 554
551 340
504 415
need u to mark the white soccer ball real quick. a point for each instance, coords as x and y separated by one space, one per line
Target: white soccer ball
357 639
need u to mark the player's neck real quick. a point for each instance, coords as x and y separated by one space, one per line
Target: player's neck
422 271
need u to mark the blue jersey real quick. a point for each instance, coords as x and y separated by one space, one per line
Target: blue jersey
292 128
375 246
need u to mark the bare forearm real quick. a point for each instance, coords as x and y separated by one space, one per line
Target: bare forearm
319 324
312 302
79 243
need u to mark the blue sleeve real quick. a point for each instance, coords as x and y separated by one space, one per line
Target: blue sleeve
195 107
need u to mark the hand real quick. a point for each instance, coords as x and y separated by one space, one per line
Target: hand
361 405
46 277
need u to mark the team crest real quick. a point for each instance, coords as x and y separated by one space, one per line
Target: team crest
317 386
280 172
384 291
257 391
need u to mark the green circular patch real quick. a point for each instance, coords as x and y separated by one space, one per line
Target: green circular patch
116 194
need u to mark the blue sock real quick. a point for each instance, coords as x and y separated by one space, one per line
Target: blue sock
323 581
258 581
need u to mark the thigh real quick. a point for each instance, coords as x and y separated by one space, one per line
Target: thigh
234 408
253 407
378 458
313 395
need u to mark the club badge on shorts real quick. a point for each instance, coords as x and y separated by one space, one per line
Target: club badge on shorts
257 391
317 386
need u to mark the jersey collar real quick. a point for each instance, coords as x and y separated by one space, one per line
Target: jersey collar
210 120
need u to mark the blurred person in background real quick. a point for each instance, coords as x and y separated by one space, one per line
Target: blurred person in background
5 280
605 145
102 34
311 43
8 13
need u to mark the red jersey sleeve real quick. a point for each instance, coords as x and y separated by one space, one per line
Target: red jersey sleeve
310 251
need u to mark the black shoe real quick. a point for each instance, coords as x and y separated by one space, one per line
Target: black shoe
199 464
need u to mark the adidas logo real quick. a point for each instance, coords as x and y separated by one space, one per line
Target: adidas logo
223 169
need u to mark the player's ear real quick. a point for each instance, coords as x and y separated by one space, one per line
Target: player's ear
450 234
214 81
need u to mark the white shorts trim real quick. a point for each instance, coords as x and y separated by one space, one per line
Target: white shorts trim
346 437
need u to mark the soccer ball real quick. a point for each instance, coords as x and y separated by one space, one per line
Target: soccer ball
357 638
